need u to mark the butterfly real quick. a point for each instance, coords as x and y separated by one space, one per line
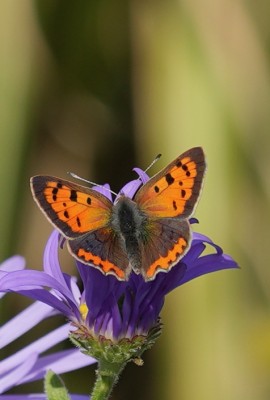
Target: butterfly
147 234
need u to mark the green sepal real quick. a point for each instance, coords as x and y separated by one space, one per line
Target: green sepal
54 387
115 352
112 355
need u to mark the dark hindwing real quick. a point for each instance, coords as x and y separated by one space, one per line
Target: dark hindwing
166 242
102 249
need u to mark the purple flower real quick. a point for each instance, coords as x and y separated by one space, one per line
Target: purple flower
106 307
28 364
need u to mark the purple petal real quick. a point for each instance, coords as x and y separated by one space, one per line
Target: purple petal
99 289
193 220
100 323
50 258
60 362
131 187
198 237
142 175
39 396
194 252
52 266
75 290
48 298
173 279
11 379
14 263
116 321
83 271
30 279
24 321
37 347
207 264
104 189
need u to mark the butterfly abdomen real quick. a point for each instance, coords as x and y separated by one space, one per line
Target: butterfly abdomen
128 221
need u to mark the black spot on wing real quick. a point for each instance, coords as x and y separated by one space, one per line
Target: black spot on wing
184 167
54 193
169 178
73 195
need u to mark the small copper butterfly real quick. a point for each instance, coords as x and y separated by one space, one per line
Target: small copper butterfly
148 234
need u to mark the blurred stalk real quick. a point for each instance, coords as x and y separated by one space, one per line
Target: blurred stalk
17 37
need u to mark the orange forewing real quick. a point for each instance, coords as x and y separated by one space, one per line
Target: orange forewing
72 208
174 191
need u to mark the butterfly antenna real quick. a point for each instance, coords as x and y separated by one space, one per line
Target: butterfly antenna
91 183
153 162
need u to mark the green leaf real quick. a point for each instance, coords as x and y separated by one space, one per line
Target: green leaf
54 387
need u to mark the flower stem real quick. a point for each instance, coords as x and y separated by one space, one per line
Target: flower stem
107 377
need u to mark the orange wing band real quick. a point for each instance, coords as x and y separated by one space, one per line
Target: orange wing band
165 263
106 266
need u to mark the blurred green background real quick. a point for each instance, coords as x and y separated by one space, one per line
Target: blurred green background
98 87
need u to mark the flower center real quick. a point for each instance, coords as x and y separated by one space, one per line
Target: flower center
83 310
